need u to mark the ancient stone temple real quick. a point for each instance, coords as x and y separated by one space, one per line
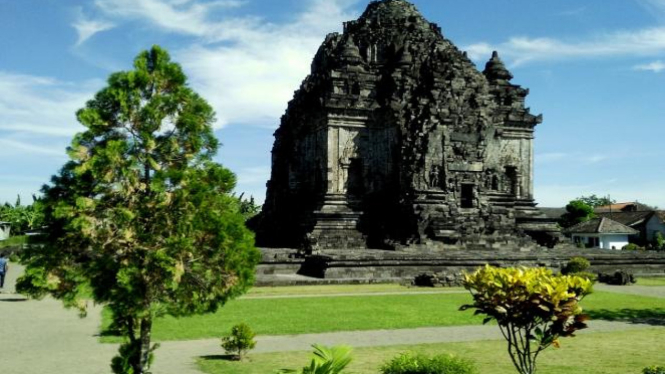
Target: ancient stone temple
396 140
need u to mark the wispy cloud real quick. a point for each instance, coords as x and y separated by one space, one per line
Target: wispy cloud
40 105
180 16
521 50
655 7
245 67
656 66
251 182
87 28
576 157
13 146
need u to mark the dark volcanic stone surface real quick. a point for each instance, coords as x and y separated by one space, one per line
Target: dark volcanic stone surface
396 140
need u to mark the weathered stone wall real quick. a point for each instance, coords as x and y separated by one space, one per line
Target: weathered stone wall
396 139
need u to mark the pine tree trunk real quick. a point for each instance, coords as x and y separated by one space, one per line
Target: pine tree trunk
146 330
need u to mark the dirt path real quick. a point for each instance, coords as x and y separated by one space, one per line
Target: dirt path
42 337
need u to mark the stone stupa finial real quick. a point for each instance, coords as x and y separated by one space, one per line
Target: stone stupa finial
495 70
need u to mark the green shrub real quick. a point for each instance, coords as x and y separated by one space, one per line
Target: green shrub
532 306
632 247
590 276
654 370
240 341
325 361
409 363
576 265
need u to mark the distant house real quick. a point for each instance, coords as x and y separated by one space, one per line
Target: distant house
600 232
640 217
4 230
632 206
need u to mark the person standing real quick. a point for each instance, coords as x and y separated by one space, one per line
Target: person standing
4 266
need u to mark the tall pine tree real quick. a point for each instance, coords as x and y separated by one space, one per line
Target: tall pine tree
141 215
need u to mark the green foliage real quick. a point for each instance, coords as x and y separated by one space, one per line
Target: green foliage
14 242
22 217
659 241
326 361
409 363
141 215
240 341
248 207
654 370
596 201
577 211
593 277
632 247
532 307
576 265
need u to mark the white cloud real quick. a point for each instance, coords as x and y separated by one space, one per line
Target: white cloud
656 66
11 146
521 50
87 28
179 16
576 157
41 106
252 80
251 182
655 7
251 76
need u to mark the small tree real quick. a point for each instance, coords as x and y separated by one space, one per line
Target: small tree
596 201
576 265
577 211
141 215
532 307
240 341
248 207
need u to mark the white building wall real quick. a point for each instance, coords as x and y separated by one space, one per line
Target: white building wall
609 241
613 241
4 231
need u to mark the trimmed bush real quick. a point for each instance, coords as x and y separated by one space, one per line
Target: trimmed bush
654 370
410 363
240 341
576 265
632 247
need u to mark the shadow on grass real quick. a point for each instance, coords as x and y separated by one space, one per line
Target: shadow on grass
219 358
654 317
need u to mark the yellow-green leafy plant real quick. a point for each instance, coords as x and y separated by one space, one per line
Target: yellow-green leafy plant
326 360
532 306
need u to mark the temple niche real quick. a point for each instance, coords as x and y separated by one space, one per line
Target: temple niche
396 141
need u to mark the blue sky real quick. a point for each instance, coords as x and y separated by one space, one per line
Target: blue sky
596 71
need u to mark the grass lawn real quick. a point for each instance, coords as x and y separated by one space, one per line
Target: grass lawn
344 289
622 352
13 241
282 316
655 281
